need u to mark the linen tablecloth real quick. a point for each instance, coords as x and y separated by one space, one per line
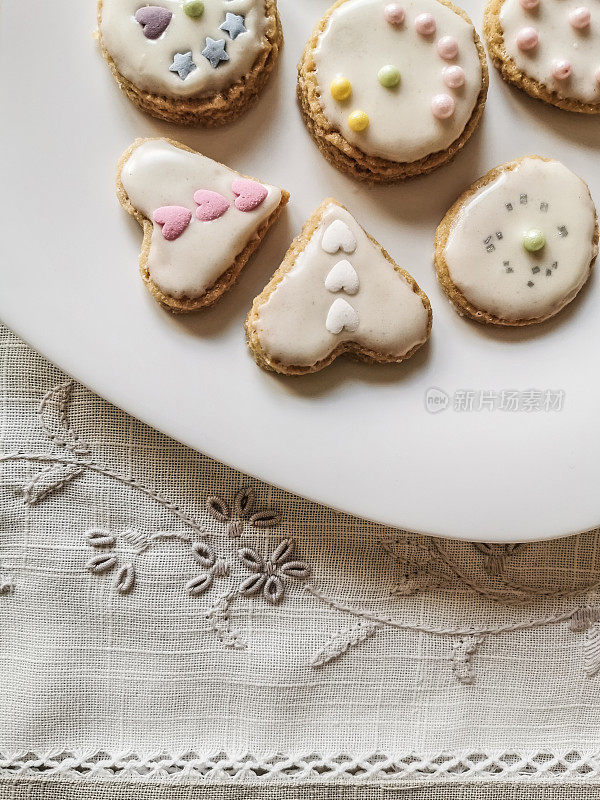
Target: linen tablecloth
170 628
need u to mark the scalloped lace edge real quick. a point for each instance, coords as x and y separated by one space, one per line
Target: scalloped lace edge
185 766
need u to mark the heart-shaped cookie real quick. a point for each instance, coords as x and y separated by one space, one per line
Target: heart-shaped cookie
249 194
174 220
207 259
341 317
154 20
296 326
338 236
211 205
342 276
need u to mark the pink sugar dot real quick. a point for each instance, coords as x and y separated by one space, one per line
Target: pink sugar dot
580 17
394 14
527 38
447 48
562 69
454 77
529 5
425 24
443 106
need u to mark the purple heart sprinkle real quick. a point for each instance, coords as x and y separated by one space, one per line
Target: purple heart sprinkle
154 20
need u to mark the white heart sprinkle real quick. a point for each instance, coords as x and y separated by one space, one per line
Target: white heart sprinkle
341 315
342 276
338 236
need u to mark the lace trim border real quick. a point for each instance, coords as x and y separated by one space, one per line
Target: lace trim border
128 766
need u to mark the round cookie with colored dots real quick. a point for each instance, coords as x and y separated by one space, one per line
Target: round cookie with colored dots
390 90
519 244
548 48
195 62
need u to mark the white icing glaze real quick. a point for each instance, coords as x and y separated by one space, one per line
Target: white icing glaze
558 40
294 325
494 273
160 174
358 41
342 276
146 62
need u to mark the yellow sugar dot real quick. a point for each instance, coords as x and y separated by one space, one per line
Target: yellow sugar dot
358 121
340 88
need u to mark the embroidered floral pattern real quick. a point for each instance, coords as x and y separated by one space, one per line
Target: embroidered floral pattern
213 568
495 555
243 508
221 624
268 577
424 564
106 560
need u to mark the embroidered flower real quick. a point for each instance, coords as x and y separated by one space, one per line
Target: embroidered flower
495 556
104 540
269 576
243 508
214 568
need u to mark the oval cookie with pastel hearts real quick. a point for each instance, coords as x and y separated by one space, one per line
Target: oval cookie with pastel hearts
519 244
390 90
195 62
337 291
196 239
549 49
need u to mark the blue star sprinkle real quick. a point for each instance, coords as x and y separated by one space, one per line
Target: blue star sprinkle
234 25
182 64
215 51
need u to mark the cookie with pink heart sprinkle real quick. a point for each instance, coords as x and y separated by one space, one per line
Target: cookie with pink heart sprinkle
201 220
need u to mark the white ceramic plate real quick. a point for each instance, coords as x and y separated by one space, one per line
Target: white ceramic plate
355 437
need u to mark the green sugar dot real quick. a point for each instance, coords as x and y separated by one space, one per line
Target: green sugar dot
193 8
389 76
533 240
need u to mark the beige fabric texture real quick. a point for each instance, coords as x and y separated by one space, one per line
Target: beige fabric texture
156 632
30 790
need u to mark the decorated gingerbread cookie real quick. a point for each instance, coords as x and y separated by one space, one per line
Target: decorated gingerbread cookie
548 48
202 221
337 291
519 244
196 62
390 90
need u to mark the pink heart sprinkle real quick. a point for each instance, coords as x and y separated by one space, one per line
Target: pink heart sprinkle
211 205
174 220
249 194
